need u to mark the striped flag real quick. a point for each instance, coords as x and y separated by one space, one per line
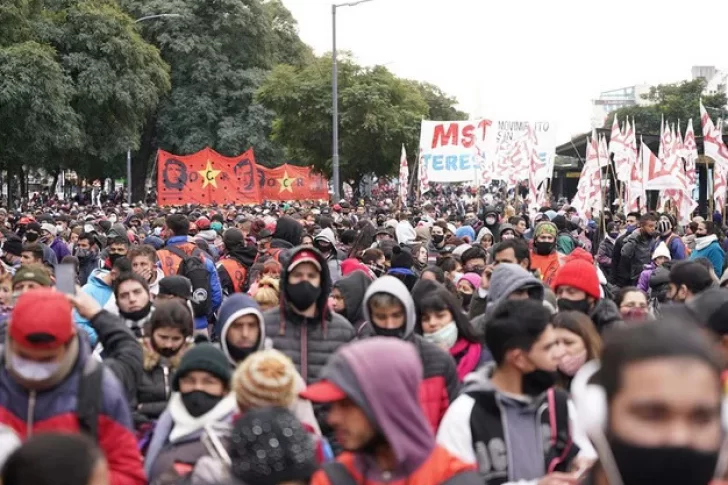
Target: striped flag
403 177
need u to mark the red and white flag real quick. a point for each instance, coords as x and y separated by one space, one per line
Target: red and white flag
714 148
635 188
661 172
403 177
424 181
690 154
589 189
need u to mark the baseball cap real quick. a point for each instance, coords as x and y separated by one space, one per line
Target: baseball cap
264 233
323 391
178 286
53 330
305 256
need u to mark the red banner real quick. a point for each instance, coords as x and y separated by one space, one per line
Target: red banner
290 182
206 177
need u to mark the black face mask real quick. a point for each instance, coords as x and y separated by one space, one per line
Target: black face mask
537 382
198 403
31 236
573 306
136 315
389 332
639 465
465 297
166 352
113 258
378 270
239 354
438 238
544 248
302 295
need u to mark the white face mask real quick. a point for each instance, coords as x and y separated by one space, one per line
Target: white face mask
33 371
112 218
445 337
456 275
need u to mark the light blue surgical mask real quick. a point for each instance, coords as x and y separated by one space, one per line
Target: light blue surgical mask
31 370
445 337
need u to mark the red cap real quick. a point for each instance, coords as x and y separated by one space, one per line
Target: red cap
323 392
203 223
304 256
337 207
578 274
42 320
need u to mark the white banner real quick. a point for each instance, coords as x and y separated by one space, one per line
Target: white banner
453 151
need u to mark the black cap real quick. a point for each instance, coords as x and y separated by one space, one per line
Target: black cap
13 246
178 286
264 233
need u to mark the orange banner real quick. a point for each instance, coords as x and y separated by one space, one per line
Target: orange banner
207 177
290 182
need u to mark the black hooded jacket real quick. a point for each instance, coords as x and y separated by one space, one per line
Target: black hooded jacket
243 254
288 233
309 342
353 288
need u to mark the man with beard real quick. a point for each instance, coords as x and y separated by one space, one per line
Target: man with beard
637 248
384 443
504 407
687 279
241 328
437 241
174 175
233 268
653 408
135 304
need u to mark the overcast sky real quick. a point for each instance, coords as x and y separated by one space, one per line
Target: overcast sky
523 59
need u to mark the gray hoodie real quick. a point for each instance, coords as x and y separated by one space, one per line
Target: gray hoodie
332 260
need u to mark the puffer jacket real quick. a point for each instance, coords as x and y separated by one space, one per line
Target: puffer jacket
606 315
440 384
309 342
636 253
55 410
155 386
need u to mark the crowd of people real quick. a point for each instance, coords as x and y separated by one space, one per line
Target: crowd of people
360 343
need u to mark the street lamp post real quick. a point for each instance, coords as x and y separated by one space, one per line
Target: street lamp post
335 98
128 152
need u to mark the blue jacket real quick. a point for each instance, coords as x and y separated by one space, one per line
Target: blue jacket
709 247
215 288
101 292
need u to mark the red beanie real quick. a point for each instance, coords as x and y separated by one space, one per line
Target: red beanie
578 274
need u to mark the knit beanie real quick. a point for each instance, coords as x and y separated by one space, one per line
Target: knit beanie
472 278
13 245
402 258
578 274
661 250
545 227
203 357
270 446
265 378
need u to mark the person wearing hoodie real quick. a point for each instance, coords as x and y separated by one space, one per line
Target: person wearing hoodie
325 242
241 328
707 246
619 273
163 347
606 249
565 241
200 409
287 234
508 282
485 238
489 216
390 311
577 288
233 268
302 327
636 251
87 252
347 297
384 443
437 241
100 287
660 256
502 421
207 234
49 236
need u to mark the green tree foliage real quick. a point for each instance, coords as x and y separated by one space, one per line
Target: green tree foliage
674 102
220 52
377 113
84 82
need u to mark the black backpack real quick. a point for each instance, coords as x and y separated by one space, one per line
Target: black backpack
193 268
89 397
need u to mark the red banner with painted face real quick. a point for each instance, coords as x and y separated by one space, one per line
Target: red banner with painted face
207 177
290 182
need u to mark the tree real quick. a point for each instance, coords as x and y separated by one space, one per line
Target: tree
441 106
674 102
77 84
220 52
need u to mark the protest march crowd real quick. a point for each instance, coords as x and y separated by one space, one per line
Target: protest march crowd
456 342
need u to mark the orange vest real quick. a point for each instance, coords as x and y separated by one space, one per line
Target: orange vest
439 467
237 272
170 262
547 266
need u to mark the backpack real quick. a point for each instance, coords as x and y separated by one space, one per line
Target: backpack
90 395
193 268
338 474
562 450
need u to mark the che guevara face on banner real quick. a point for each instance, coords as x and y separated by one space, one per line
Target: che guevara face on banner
244 171
174 175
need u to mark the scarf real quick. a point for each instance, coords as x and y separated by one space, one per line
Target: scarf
185 424
467 356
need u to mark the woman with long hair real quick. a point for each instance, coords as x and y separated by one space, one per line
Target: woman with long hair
581 342
441 320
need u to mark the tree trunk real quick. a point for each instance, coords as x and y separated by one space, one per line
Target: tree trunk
140 160
56 176
9 181
23 183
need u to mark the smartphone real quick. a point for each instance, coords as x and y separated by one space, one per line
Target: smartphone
66 278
